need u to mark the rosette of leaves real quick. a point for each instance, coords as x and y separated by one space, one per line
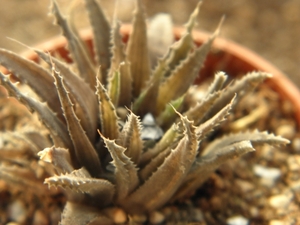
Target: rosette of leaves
118 133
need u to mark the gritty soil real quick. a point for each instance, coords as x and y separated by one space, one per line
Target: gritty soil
261 187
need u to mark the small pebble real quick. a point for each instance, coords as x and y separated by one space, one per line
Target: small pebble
197 215
267 172
254 211
148 120
237 220
281 201
40 218
197 93
245 186
119 216
287 131
267 152
116 214
156 217
267 182
268 175
55 215
277 222
17 211
294 162
139 218
216 203
296 144
167 211
295 185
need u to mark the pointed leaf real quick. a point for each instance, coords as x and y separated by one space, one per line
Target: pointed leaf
175 85
146 101
80 181
57 128
207 127
35 76
108 115
200 110
84 188
125 171
179 51
87 111
83 62
217 84
168 116
59 157
154 164
101 30
118 58
137 51
159 188
171 136
193 17
256 138
114 86
240 87
130 138
84 150
205 165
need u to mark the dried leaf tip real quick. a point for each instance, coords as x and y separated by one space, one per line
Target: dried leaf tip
137 51
192 20
189 128
218 30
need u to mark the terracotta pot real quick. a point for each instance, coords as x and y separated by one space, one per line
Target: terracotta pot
226 56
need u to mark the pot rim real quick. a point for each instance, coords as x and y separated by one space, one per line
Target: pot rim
279 82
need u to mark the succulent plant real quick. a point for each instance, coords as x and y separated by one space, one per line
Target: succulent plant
117 133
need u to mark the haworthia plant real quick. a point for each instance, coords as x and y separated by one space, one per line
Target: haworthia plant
88 147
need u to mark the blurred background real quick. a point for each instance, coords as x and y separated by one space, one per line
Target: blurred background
271 28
